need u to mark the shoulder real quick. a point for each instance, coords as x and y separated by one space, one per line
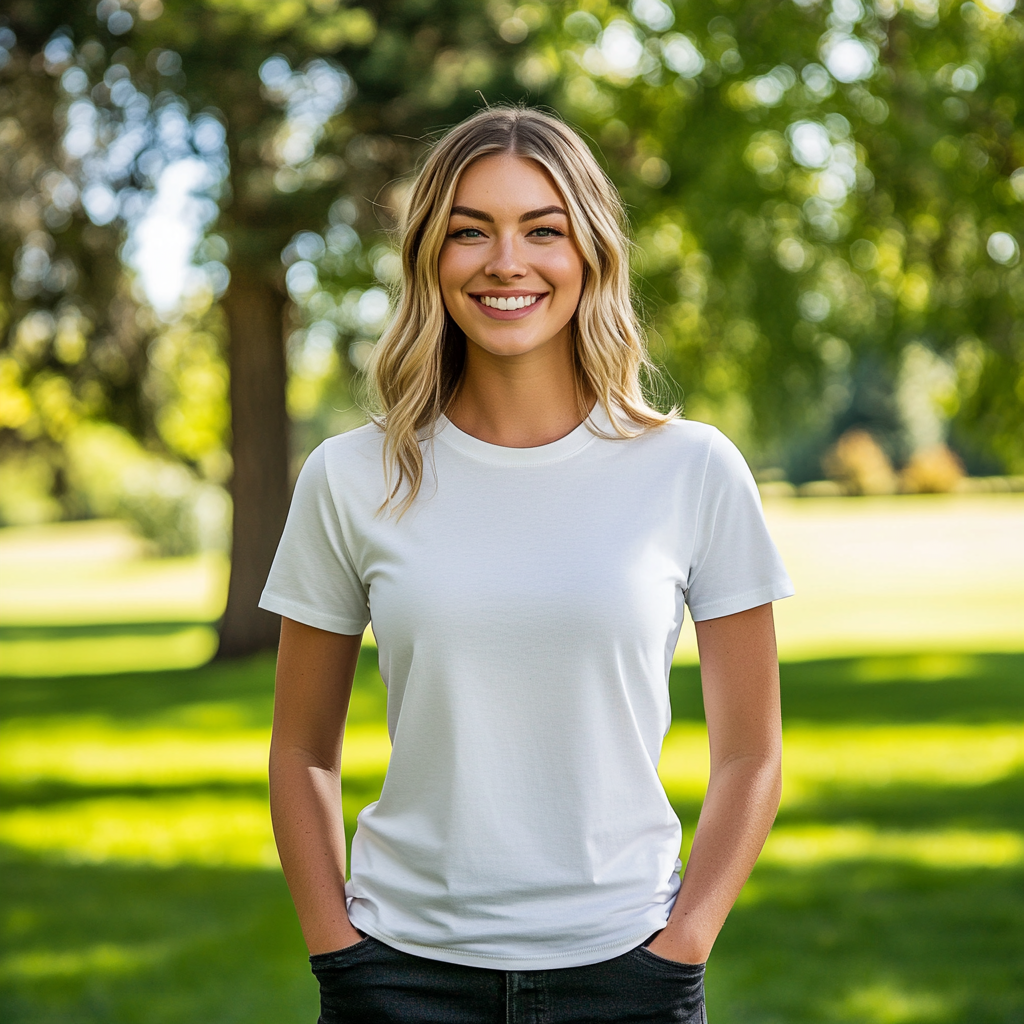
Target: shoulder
690 432
356 441
350 450
699 453
685 440
341 465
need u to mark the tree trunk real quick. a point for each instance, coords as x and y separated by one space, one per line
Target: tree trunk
259 447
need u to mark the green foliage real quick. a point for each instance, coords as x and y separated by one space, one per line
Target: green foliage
816 189
115 478
794 226
187 384
72 346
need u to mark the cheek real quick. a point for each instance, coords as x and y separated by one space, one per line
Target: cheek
566 272
450 271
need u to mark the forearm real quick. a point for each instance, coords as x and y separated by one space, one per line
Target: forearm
740 806
305 805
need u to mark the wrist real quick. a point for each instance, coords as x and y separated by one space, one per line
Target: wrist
681 944
336 938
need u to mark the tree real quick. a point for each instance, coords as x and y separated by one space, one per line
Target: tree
73 345
259 74
819 193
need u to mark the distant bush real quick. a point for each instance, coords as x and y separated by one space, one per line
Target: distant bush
167 504
857 463
26 490
935 470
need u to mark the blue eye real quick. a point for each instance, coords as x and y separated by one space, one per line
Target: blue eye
467 233
548 232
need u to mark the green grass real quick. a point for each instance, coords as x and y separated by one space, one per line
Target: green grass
138 880
891 894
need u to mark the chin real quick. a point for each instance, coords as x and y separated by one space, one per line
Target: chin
505 345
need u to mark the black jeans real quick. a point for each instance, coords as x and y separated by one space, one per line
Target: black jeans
370 983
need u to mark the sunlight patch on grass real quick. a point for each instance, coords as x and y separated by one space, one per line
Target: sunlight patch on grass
926 573
96 751
799 846
175 647
834 624
93 751
822 757
96 572
811 626
818 757
102 959
684 762
887 1003
919 668
205 829
366 751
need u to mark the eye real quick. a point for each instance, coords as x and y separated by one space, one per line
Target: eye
547 233
467 233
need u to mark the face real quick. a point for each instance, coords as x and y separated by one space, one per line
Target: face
511 275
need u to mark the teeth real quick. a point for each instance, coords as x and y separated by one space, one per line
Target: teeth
515 302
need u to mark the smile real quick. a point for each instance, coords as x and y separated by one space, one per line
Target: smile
511 302
509 307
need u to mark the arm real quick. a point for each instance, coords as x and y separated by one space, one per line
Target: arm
315 669
740 678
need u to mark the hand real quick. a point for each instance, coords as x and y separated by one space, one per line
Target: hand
345 937
680 949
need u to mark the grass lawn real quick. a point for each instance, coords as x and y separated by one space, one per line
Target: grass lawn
138 881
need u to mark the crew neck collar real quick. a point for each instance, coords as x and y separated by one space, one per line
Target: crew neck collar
565 447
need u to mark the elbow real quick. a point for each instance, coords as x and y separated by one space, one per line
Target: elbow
770 775
774 784
287 758
758 774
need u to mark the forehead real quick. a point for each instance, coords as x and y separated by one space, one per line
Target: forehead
503 181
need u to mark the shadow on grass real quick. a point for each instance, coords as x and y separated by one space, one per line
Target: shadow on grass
876 943
852 941
122 945
116 943
130 697
970 689
990 807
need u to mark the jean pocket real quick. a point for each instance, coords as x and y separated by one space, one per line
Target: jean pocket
694 971
339 957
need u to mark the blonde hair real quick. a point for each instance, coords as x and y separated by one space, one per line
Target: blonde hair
416 367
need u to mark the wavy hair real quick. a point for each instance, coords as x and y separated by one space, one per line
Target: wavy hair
416 367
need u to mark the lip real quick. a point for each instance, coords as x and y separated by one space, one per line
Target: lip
507 314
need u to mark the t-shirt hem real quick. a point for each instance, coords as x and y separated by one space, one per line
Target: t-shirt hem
578 957
741 602
312 616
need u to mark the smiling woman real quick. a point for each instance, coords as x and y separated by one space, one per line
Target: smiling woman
524 531
511 278
531 253
510 206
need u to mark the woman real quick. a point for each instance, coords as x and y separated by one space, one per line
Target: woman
523 530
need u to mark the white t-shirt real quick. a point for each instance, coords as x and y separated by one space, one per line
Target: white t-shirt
526 610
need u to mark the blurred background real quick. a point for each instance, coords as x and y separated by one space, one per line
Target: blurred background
196 259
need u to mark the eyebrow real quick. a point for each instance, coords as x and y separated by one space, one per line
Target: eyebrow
468 211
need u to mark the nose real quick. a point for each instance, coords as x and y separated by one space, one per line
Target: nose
505 261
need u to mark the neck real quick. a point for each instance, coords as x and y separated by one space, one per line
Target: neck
521 401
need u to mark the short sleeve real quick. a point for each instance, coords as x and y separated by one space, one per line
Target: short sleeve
313 579
734 565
